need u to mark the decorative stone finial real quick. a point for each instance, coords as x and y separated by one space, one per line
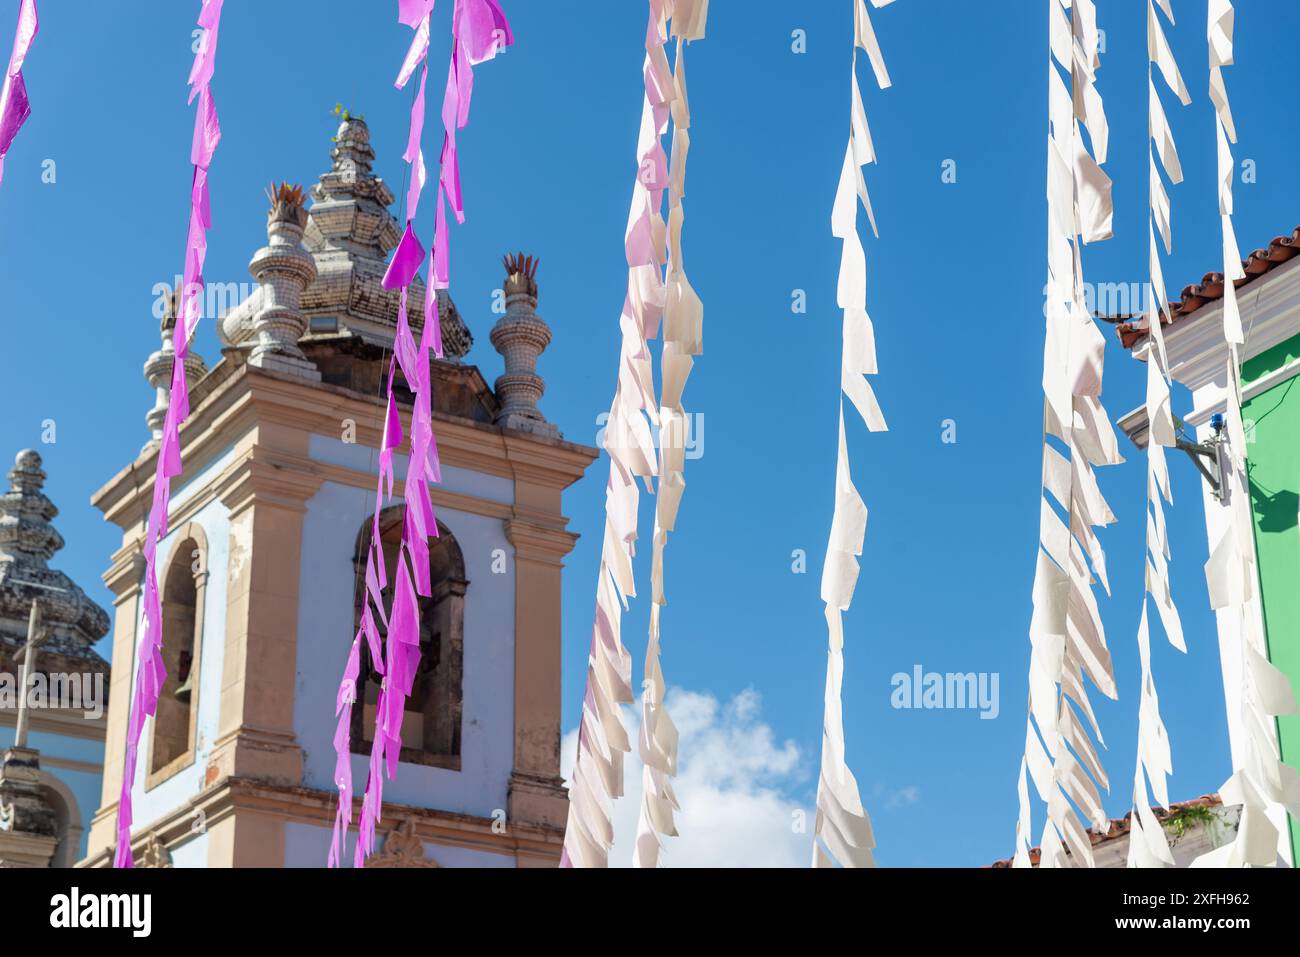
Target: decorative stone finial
27 543
521 335
284 268
158 368
350 176
26 534
352 150
27 474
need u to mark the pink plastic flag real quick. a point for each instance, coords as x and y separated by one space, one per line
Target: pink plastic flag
479 30
441 272
414 154
207 132
14 106
152 672
343 743
483 29
450 179
432 327
205 60
406 261
406 351
411 12
28 26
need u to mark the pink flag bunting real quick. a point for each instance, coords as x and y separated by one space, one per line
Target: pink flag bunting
406 261
152 672
479 31
14 106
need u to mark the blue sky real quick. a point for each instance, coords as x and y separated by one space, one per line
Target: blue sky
954 288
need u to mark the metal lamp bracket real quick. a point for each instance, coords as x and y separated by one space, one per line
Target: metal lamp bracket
1210 457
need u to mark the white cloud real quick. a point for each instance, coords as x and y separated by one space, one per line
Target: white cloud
897 797
739 790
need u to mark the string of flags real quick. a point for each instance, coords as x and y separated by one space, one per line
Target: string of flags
1148 846
683 323
842 832
597 777
152 672
479 31
1067 639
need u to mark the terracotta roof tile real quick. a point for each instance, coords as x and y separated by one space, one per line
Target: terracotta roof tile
1131 329
1119 826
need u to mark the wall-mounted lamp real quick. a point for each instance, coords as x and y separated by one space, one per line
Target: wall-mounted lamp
1209 457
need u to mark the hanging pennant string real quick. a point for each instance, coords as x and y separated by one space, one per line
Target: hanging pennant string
152 672
1260 780
14 107
597 777
1148 846
842 832
479 31
1067 640
405 263
683 338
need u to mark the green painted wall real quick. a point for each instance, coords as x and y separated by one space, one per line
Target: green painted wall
1274 453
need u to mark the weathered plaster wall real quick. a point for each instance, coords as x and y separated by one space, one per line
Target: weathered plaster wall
305 846
325 614
192 853
360 458
177 790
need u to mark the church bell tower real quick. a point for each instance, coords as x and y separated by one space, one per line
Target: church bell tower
261 571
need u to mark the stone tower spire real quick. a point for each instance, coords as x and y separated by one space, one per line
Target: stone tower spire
158 368
27 539
353 157
47 626
349 212
521 335
284 268
349 235
27 543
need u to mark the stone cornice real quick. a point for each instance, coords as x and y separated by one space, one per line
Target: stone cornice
539 542
221 416
553 463
66 722
441 497
1270 314
1209 403
125 574
269 476
26 850
247 399
242 795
